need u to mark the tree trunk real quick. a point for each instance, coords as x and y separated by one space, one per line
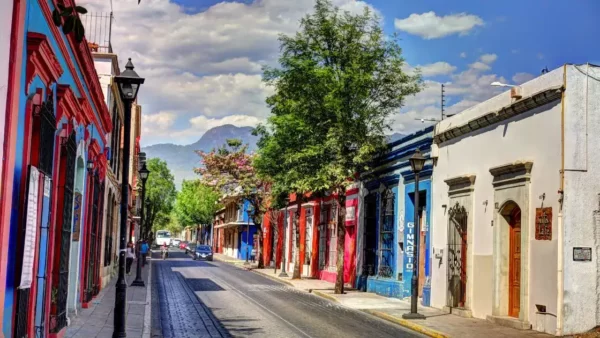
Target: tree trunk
259 244
341 236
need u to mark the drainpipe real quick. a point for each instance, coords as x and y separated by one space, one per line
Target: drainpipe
560 270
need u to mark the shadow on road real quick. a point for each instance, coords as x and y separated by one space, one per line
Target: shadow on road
178 312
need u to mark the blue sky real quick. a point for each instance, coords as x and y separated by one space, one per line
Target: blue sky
202 58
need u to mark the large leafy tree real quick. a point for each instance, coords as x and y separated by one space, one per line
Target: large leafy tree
196 204
230 171
339 81
160 196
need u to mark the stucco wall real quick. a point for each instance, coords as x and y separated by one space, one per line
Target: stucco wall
582 186
533 136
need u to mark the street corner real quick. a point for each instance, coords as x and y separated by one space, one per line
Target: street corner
407 323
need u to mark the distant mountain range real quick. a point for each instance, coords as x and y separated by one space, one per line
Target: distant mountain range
182 159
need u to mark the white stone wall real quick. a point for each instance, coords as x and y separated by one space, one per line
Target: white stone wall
533 136
581 308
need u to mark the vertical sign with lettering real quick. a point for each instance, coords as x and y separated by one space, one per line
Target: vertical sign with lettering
76 216
543 224
31 227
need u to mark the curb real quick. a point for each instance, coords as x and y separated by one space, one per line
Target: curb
148 309
283 281
408 324
324 295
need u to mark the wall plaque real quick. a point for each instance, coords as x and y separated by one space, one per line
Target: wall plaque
76 216
543 224
582 254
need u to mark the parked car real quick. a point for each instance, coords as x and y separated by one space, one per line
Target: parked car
175 242
190 248
203 252
183 244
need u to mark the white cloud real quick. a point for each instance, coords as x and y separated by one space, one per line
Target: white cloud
205 63
437 68
160 120
520 78
430 26
488 58
463 55
479 66
204 123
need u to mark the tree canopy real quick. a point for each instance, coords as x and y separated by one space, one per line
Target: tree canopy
338 83
160 195
196 203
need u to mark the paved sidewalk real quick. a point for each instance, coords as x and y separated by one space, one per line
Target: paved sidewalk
97 320
437 324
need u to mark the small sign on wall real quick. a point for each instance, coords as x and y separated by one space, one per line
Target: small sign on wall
582 254
543 224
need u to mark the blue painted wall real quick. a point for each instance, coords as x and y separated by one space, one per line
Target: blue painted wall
246 241
35 21
409 231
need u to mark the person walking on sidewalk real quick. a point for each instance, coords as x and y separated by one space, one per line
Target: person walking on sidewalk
144 252
129 257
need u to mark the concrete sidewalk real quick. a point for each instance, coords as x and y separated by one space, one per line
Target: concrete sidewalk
97 320
437 324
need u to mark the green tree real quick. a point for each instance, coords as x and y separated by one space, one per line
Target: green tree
340 79
229 171
196 204
160 195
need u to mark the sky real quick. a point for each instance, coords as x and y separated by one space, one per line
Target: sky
202 59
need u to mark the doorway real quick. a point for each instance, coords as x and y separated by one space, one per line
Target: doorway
457 256
514 264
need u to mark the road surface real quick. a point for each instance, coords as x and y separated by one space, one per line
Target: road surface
215 299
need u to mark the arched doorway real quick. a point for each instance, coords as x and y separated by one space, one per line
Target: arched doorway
512 214
514 265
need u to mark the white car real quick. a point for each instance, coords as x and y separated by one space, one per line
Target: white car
175 241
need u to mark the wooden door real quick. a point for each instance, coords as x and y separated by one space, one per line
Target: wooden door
514 283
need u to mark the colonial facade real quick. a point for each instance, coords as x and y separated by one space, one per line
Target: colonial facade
386 220
516 205
234 231
59 183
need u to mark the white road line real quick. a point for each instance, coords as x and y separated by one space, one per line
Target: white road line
264 308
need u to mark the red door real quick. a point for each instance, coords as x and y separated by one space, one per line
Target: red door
514 269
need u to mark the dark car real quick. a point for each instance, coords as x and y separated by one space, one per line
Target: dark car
190 248
203 252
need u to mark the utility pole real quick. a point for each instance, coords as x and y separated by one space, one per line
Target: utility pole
443 101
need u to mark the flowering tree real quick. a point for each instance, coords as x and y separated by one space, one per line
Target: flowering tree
229 170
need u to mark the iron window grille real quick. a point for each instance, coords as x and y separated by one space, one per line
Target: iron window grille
457 256
386 235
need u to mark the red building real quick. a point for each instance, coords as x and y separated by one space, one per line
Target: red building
315 228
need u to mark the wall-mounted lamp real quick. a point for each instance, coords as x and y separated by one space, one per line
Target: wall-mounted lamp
90 165
485 203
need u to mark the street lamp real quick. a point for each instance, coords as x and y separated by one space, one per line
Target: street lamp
129 84
287 219
417 162
144 173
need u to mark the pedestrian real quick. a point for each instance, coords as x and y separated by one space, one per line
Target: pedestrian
130 256
144 252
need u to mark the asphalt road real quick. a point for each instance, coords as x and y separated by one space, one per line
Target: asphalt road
215 299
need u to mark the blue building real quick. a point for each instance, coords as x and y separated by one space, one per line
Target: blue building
386 222
235 235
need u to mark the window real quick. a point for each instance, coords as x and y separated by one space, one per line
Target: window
386 234
323 236
308 241
332 239
108 242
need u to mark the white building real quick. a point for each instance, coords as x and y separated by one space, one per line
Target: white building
516 189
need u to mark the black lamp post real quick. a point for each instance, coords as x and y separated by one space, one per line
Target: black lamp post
144 173
129 83
417 162
283 245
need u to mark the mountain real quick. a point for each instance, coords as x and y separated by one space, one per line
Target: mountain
182 159
395 137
